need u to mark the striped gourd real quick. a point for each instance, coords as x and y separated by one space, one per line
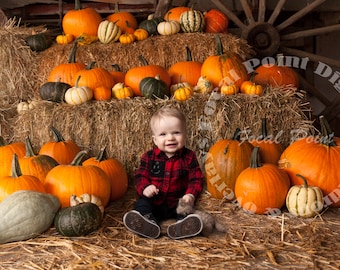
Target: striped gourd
192 21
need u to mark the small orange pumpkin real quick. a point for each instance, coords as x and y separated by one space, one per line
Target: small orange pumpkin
64 39
102 93
6 155
230 89
215 21
123 19
127 38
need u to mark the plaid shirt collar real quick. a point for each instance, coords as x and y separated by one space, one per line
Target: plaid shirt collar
159 152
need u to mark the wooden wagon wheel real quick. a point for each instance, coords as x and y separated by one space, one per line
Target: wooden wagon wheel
268 38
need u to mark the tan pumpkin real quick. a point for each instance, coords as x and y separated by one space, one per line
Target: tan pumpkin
121 91
108 32
78 94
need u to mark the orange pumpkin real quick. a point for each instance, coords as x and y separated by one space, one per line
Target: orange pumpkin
115 171
102 93
75 179
225 160
81 21
270 148
317 158
6 155
61 150
261 188
175 13
216 21
125 20
186 71
224 68
36 165
18 181
65 72
118 75
135 75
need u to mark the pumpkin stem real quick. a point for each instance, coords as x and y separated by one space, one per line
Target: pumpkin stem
77 5
72 56
77 161
327 135
116 7
143 60
2 141
189 55
57 134
90 65
264 128
102 155
255 160
219 47
16 171
237 134
116 67
305 183
29 148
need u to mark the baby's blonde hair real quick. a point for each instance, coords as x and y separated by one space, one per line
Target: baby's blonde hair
166 112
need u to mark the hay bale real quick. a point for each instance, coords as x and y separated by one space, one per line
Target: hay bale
123 125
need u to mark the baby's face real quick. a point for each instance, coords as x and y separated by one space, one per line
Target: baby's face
168 135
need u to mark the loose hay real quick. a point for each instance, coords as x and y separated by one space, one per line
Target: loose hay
123 125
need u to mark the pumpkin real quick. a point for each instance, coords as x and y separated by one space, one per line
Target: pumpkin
63 151
183 93
36 165
78 220
115 171
78 94
53 91
251 88
127 38
6 155
86 39
123 19
270 148
117 74
174 14
26 214
150 25
225 160
65 72
175 86
192 21
140 34
261 188
167 27
38 42
215 21
186 71
203 85
230 89
134 75
121 91
83 198
303 200
93 77
317 159
108 32
224 68
74 179
18 181
276 75
153 87
79 21
64 39
102 93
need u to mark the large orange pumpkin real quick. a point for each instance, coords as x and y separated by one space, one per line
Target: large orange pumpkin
75 179
175 13
186 71
36 165
261 188
125 20
18 181
6 155
225 160
270 148
65 72
115 171
135 75
81 21
216 21
317 158
224 68
63 151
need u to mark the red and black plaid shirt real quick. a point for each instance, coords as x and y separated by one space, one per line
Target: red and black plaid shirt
174 177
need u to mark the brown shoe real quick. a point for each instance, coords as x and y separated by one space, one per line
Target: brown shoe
190 226
140 225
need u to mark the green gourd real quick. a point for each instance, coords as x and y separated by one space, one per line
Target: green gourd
25 214
150 25
54 91
39 42
78 220
153 87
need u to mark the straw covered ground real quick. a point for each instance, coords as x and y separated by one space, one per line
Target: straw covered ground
251 242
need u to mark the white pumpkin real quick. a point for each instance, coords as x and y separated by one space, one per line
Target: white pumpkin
167 28
108 32
78 94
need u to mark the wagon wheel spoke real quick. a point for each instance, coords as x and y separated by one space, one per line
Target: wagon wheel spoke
247 11
262 11
298 15
312 32
276 11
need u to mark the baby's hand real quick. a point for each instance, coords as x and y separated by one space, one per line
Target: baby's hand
189 198
150 191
